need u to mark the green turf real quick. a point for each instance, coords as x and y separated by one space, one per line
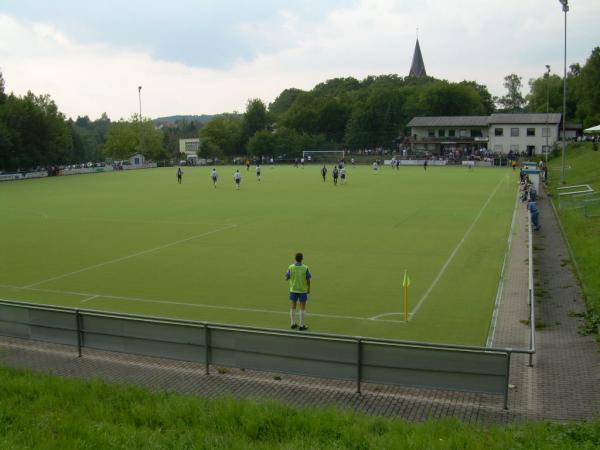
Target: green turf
70 241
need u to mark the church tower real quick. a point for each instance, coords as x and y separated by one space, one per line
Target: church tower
417 69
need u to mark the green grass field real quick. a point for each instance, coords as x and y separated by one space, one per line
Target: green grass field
138 242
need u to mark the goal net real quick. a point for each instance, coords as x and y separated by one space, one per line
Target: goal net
323 156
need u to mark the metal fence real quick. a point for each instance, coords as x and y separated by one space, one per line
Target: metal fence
358 359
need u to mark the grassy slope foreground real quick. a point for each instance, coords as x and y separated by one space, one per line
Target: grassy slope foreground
43 411
583 167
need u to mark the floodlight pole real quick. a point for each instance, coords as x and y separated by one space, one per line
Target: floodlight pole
547 107
140 99
565 8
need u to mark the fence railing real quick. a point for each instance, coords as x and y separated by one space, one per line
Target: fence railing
358 359
531 289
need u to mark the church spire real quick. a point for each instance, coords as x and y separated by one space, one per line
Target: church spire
417 69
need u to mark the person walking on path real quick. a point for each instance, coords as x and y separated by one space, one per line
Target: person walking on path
179 175
299 277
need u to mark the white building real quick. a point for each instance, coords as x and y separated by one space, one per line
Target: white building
520 133
137 160
532 134
190 147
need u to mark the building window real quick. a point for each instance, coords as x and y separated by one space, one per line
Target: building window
546 132
462 133
431 133
441 132
498 148
451 133
476 133
514 148
530 131
514 132
498 131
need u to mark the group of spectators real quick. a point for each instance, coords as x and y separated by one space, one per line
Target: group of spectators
529 195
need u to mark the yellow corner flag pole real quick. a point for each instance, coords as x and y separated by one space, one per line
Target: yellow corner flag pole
405 285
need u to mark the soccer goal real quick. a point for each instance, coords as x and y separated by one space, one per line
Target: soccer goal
323 156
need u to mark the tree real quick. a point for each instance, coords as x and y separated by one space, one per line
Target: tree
124 138
588 90
226 132
2 87
262 143
255 118
209 150
545 89
513 100
285 100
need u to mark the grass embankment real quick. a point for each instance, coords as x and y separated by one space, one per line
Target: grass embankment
582 167
43 411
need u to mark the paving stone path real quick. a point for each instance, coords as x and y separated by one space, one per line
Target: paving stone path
562 385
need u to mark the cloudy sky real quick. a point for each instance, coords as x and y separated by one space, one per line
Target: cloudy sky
211 56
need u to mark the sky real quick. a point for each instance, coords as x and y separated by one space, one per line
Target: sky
209 57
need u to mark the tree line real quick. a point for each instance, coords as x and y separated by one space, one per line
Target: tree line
341 113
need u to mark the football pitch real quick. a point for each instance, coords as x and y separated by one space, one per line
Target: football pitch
139 242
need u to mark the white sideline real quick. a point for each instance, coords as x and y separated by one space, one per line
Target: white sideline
93 296
502 280
133 255
447 263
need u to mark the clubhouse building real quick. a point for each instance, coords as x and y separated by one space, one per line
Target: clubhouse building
525 134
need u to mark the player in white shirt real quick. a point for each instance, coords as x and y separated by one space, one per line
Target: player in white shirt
258 171
375 167
214 177
237 177
343 175
302 162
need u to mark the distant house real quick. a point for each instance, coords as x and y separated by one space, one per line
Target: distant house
190 147
440 135
137 160
531 134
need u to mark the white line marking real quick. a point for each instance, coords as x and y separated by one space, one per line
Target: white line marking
502 281
90 295
133 255
454 252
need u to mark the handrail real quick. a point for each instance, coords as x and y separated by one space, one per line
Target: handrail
216 326
531 290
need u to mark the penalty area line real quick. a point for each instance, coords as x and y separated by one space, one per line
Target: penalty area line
133 255
90 296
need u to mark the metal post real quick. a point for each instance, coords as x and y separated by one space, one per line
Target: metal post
507 379
358 364
206 349
547 108
78 325
140 99
565 5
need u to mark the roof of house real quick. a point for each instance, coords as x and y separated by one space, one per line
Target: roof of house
449 121
524 118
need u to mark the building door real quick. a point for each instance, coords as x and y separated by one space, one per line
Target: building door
530 150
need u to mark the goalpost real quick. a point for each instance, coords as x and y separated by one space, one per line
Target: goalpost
323 156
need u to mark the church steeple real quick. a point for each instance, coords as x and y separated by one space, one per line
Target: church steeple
417 68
